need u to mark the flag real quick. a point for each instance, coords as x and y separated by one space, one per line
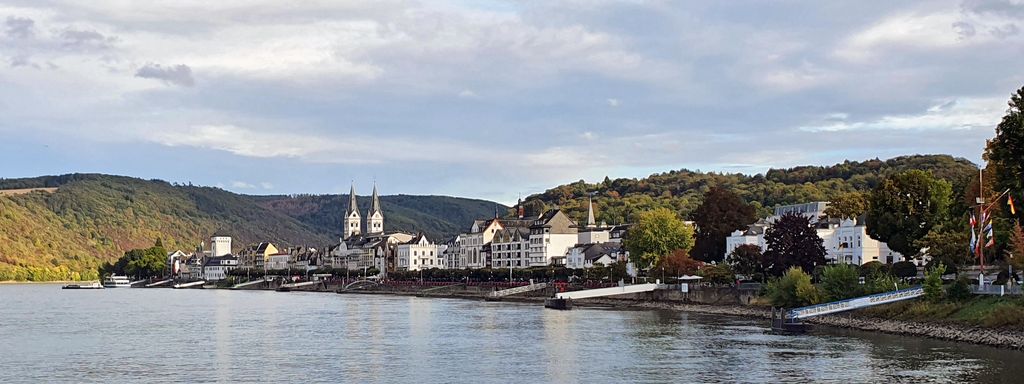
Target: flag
1009 201
988 234
973 222
974 241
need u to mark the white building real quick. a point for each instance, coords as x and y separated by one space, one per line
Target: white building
551 236
511 247
418 254
279 260
220 245
452 254
217 268
845 241
586 255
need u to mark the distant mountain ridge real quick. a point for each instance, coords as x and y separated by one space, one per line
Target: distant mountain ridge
93 218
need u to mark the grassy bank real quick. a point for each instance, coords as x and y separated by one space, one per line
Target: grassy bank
987 311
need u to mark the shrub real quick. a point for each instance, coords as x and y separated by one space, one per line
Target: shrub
840 281
904 269
933 283
959 291
881 282
873 268
793 289
717 274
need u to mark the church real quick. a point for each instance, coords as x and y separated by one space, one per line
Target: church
365 245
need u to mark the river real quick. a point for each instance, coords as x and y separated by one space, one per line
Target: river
164 335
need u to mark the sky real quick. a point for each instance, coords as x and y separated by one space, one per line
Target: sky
492 99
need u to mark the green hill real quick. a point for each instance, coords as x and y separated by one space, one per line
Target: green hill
91 218
682 190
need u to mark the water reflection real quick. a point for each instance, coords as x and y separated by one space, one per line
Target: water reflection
199 336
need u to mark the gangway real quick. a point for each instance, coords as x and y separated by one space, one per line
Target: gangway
518 290
790 320
159 283
131 284
289 287
189 285
564 300
248 283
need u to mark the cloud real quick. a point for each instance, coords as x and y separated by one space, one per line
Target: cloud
85 39
465 93
943 116
179 74
613 102
241 185
19 27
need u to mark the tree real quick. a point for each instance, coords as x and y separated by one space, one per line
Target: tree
721 213
933 283
905 207
679 263
793 289
793 242
747 259
840 281
850 205
948 246
1005 152
1016 249
716 274
655 235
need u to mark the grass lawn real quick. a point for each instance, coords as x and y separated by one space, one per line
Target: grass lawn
988 311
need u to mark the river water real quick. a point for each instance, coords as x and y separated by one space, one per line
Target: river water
164 335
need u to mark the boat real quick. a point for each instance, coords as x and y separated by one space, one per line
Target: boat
93 285
115 281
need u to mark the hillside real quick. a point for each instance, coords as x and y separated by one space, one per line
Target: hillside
683 190
439 217
89 219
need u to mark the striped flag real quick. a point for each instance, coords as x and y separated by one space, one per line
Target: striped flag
974 241
991 239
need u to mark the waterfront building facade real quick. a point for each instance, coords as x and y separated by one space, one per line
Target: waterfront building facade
551 236
418 253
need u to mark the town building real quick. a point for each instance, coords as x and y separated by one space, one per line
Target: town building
418 253
845 241
278 261
510 247
220 245
587 255
551 236
217 267
255 256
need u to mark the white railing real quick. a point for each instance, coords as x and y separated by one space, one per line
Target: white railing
518 290
601 292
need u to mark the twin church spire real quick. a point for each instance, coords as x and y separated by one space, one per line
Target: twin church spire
353 223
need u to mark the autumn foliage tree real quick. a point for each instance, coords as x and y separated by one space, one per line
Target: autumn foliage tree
679 263
793 242
656 234
721 213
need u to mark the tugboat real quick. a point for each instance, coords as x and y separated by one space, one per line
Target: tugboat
115 281
93 285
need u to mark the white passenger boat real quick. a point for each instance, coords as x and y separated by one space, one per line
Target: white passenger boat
115 281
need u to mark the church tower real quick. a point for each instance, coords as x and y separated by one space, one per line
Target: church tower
375 217
352 222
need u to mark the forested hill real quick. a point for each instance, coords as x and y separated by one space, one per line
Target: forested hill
683 190
93 218
438 217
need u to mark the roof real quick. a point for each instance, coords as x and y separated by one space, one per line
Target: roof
353 205
219 260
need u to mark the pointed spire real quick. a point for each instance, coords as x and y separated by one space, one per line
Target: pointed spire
353 206
375 205
590 214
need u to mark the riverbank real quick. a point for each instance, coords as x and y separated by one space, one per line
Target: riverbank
1000 337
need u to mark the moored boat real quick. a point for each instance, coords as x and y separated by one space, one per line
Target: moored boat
115 281
93 285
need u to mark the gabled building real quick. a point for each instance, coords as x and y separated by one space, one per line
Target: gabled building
510 247
551 236
418 253
255 256
217 267
586 255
